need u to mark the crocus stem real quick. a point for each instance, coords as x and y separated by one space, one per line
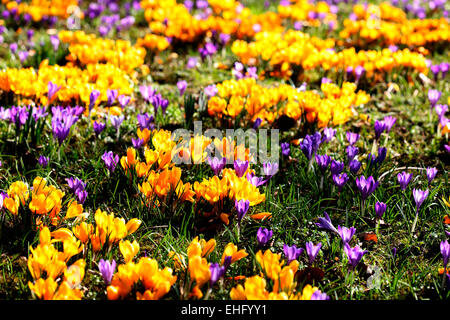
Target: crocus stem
310 165
321 183
415 221
443 278
374 146
208 293
363 207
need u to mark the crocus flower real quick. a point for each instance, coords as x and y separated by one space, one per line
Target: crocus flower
359 70
116 121
144 120
192 63
403 179
211 90
380 126
434 96
110 160
325 223
328 134
147 92
217 164
43 161
352 137
107 270
263 236
254 180
445 251
352 151
366 186
182 85
217 272
123 100
75 184
379 159
112 96
380 209
346 233
52 89
54 40
93 98
310 144
240 167
441 109
354 254
312 251
444 66
336 167
389 122
81 195
242 207
318 295
257 123
137 143
354 166
98 127
292 253
285 149
323 161
419 197
431 174
340 180
270 169
435 69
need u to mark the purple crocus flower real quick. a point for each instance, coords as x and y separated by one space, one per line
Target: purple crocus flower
435 69
75 184
354 254
328 134
354 166
366 186
434 96
192 63
123 100
182 85
380 126
431 174
352 151
346 233
263 236
54 40
240 167
147 92
116 121
13 47
137 143
441 109
318 295
211 90
312 251
110 160
43 161
285 149
144 120
310 144
217 164
254 180
52 89
98 127
379 159
352 137
325 223
270 169
112 95
323 161
336 167
107 270
445 251
292 253
217 272
419 197
81 195
389 122
359 70
242 207
93 98
403 179
257 123
61 126
340 180
444 66
380 209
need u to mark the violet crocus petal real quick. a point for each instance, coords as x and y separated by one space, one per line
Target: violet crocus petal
325 223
